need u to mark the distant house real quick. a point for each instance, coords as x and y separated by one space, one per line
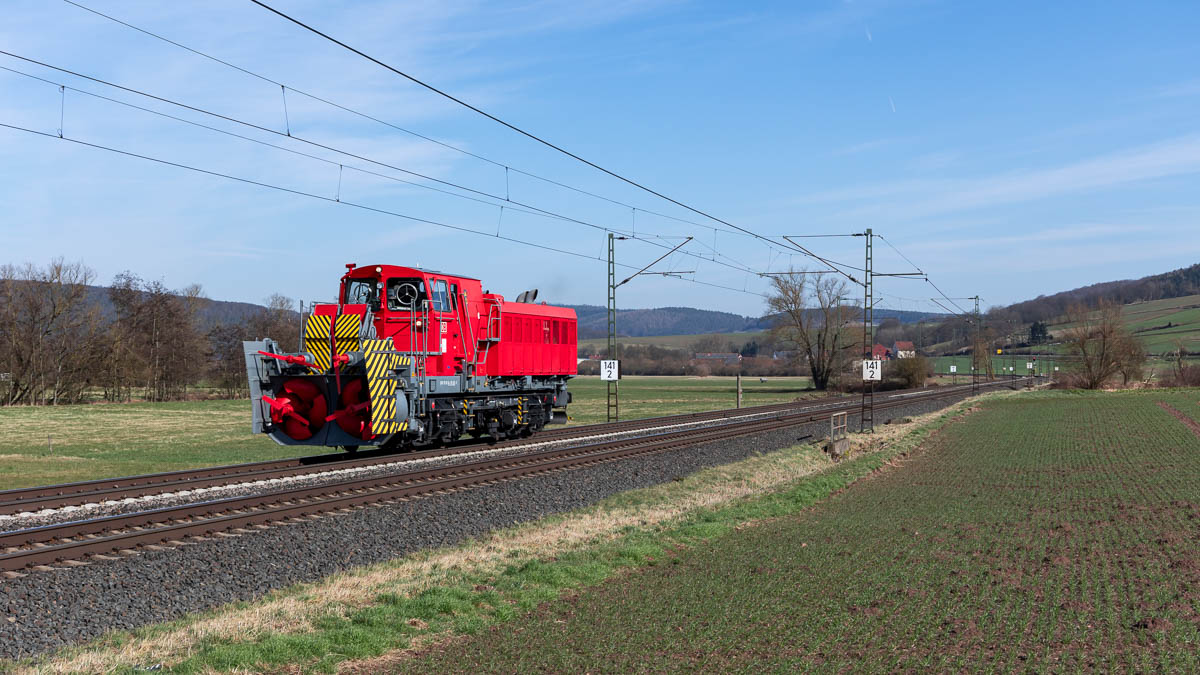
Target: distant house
904 349
881 353
728 358
785 355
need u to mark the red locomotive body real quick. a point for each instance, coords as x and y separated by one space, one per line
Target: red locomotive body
415 356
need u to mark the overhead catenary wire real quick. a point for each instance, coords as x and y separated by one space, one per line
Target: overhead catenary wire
391 125
511 126
533 210
948 310
915 266
837 267
498 200
331 200
293 151
948 299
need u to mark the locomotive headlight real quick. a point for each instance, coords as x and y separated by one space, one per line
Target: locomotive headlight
378 270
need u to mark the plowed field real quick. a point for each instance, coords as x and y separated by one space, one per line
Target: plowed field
1049 532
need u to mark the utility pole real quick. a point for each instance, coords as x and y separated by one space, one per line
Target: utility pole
975 360
866 417
613 409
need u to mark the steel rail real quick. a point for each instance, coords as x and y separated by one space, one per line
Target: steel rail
68 541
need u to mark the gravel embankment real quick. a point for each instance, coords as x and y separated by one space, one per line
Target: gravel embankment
49 609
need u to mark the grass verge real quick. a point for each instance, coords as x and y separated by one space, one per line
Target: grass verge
371 617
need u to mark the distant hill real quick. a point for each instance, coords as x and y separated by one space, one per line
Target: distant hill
593 321
1174 284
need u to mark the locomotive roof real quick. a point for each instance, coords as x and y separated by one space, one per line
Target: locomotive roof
419 269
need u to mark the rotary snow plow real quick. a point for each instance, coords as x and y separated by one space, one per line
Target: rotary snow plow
343 388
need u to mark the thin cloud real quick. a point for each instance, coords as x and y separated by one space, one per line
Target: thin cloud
1175 157
1090 232
865 146
1179 89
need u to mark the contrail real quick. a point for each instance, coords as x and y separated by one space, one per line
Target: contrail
892 103
869 39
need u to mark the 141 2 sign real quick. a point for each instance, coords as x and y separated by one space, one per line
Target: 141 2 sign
610 371
872 370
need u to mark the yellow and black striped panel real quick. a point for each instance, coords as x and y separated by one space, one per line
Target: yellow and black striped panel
316 337
381 386
348 326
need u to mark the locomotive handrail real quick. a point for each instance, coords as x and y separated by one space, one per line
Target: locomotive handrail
464 310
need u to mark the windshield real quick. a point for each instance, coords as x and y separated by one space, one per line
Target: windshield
405 294
361 292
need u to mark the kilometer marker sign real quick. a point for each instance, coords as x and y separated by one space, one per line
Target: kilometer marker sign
872 370
610 370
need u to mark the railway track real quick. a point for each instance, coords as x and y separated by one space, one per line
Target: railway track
101 537
111 489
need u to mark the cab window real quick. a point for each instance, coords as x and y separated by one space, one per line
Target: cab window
405 295
362 292
441 296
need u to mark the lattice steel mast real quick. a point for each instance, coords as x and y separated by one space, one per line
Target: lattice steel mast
866 419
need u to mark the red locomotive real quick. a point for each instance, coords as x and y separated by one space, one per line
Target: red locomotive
415 357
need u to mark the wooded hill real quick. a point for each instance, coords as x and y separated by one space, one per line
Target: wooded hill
1173 284
593 321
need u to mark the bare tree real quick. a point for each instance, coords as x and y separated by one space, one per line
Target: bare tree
709 344
1103 345
981 353
49 334
156 342
812 320
279 321
1131 359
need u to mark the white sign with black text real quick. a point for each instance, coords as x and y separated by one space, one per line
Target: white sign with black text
610 371
872 370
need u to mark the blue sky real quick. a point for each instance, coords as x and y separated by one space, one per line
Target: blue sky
1008 149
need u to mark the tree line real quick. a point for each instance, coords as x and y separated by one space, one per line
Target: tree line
57 347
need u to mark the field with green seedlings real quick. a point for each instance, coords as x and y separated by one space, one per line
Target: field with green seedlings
1159 323
60 444
1053 531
